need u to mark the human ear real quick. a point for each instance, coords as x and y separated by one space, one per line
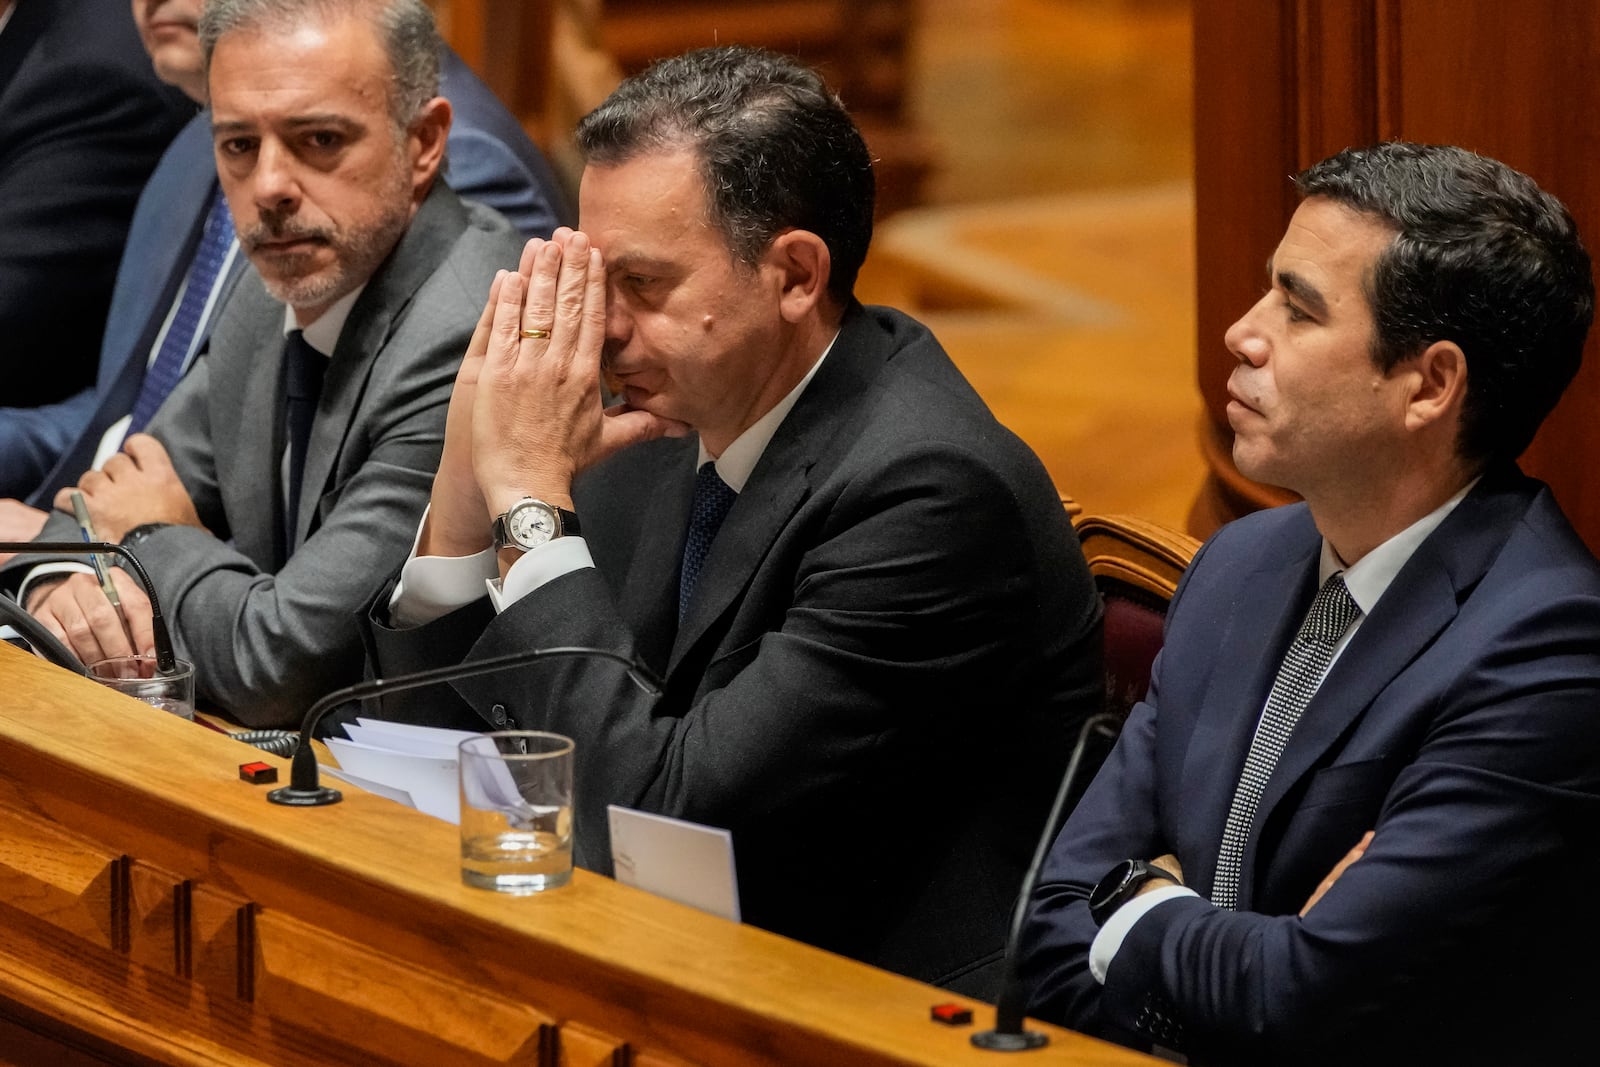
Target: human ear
1439 385
425 140
802 263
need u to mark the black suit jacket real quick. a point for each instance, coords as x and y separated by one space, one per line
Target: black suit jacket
1461 723
893 640
82 122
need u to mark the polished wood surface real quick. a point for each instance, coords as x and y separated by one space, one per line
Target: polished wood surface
154 908
1135 552
1280 86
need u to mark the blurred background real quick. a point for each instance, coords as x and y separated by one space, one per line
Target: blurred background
1078 195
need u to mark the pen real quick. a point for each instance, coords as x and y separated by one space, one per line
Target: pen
81 509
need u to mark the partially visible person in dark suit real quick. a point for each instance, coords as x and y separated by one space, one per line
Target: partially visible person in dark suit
180 247
875 626
1355 819
82 122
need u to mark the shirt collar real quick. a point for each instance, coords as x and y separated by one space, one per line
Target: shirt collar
1370 576
739 459
323 334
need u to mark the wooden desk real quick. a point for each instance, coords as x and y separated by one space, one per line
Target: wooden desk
155 908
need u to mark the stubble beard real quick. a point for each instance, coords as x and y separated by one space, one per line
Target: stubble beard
358 250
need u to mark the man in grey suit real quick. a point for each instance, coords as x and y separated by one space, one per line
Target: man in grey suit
874 625
286 471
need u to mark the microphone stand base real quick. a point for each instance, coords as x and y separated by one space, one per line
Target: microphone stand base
997 1041
305 798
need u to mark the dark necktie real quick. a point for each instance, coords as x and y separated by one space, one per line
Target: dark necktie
165 370
303 370
712 500
1298 678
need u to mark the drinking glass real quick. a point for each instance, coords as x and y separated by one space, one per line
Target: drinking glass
516 811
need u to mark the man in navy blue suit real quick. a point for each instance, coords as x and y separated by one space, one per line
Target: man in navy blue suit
43 449
1355 819
82 122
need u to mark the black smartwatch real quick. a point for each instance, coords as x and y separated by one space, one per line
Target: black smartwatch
134 537
1120 884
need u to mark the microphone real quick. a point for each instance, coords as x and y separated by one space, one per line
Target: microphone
166 659
1010 1006
306 791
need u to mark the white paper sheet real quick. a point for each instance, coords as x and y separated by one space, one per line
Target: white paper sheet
679 860
433 783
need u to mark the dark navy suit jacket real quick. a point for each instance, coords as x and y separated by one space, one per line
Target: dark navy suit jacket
1462 723
491 160
82 122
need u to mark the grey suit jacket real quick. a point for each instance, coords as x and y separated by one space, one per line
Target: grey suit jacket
878 680
267 640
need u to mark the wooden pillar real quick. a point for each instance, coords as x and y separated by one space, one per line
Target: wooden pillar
1281 85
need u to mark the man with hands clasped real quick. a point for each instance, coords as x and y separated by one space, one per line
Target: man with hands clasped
874 626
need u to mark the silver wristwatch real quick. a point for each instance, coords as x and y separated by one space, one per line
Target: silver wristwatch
530 523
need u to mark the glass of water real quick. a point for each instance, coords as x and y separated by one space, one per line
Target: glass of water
139 677
516 811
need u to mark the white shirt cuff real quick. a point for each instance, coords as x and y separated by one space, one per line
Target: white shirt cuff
59 569
1106 943
543 564
433 586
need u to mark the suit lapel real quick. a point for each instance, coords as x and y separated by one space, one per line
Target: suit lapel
819 427
243 465
1422 600
381 305
649 594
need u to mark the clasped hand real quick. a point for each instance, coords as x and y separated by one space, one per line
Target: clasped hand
1169 863
526 415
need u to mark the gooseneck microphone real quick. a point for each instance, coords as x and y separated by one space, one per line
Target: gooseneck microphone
166 660
306 791
1010 1006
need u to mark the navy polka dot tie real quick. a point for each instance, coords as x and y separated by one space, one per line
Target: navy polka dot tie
1297 682
712 500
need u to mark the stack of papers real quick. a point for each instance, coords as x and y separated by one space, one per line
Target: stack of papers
415 765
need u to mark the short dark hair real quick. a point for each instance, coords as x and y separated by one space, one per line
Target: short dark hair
1482 257
777 149
406 27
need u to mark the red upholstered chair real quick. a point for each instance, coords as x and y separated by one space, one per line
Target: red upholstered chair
1136 565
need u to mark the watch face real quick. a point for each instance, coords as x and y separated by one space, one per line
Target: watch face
530 524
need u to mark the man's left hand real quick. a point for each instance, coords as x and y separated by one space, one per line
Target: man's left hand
1168 863
136 486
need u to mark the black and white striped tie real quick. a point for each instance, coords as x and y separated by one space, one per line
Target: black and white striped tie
1307 661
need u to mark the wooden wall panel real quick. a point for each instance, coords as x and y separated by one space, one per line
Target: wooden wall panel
1281 85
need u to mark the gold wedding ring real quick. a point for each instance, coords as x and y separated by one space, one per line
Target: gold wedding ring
534 335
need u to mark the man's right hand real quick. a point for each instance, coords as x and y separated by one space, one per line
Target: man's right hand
75 610
19 522
1338 869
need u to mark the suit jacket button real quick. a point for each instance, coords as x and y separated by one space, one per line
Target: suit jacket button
497 715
